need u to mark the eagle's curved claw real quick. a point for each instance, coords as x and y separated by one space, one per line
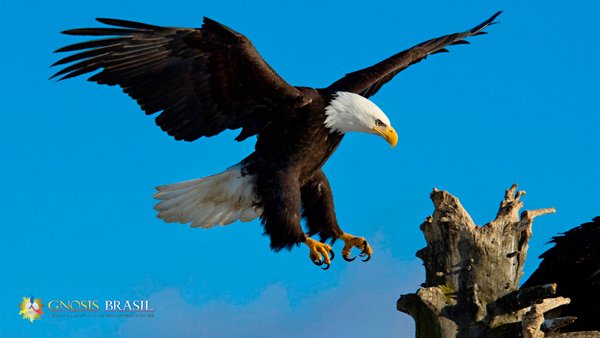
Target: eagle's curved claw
319 253
327 265
355 242
363 253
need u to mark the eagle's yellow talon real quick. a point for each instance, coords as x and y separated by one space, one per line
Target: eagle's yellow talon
319 252
350 242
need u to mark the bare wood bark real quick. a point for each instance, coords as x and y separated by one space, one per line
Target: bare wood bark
533 320
472 276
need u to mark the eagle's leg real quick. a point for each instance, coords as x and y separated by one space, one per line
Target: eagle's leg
318 209
281 216
319 212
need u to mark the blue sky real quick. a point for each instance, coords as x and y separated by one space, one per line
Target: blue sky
80 163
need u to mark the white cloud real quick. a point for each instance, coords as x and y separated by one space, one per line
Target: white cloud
362 304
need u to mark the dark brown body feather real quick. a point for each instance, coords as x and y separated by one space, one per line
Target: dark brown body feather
203 81
287 165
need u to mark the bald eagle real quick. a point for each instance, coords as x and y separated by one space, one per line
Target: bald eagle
574 265
206 80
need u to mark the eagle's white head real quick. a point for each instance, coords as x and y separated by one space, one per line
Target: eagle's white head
352 112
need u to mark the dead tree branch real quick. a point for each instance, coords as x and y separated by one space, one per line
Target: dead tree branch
472 275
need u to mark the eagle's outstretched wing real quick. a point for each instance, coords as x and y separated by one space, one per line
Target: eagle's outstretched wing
202 81
368 81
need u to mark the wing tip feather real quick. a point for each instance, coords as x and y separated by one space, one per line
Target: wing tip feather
486 23
127 24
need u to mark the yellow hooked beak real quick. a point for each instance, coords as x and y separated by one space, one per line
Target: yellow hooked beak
388 133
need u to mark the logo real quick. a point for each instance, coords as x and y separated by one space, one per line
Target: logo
31 308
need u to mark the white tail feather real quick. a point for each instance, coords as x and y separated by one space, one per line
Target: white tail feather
205 202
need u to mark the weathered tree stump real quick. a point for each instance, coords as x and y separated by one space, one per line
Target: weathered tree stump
473 273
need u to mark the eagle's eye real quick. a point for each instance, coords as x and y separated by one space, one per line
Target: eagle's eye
379 123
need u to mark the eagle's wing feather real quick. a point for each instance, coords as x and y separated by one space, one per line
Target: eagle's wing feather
202 81
368 81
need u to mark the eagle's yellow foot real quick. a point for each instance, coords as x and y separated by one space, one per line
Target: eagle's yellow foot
356 242
319 252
